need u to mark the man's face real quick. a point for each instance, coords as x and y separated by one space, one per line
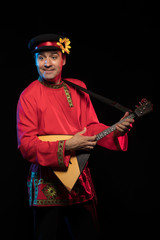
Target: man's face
49 65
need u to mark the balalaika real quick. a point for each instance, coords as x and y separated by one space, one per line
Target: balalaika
79 159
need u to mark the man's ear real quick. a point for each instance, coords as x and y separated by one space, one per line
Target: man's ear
64 59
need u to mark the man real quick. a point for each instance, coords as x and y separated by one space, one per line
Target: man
49 106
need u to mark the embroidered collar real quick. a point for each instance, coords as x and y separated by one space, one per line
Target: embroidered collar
50 85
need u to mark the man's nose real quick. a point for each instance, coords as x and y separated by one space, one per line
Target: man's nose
47 62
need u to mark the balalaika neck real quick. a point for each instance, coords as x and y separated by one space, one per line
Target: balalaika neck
112 128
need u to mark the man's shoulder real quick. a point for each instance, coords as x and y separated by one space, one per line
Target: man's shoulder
31 88
76 81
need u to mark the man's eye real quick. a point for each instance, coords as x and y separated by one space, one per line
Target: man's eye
54 57
40 57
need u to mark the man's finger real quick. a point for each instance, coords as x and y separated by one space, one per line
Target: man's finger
83 131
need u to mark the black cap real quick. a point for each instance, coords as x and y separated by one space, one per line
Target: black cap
47 42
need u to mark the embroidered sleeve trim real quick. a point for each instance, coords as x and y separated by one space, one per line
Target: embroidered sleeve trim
60 154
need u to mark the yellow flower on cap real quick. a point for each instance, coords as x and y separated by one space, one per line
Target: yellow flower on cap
64 45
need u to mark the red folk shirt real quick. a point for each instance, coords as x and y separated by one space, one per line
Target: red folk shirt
45 109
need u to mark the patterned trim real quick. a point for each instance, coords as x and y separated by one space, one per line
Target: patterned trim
50 85
60 154
52 190
33 180
68 95
49 191
35 188
62 202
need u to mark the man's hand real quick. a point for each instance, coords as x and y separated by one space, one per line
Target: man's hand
125 126
80 142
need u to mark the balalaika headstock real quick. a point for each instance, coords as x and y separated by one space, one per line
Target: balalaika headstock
144 108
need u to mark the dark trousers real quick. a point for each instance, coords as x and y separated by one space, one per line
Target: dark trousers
74 222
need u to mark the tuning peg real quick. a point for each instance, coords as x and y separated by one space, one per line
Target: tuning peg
144 100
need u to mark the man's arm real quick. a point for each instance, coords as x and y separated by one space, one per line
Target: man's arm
80 142
49 154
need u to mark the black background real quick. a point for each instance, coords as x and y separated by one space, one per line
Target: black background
115 52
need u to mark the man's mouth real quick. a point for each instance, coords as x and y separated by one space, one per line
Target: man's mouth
48 71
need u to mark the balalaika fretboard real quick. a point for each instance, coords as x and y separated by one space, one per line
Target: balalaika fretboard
112 128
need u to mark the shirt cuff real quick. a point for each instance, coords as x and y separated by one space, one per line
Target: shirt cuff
63 158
